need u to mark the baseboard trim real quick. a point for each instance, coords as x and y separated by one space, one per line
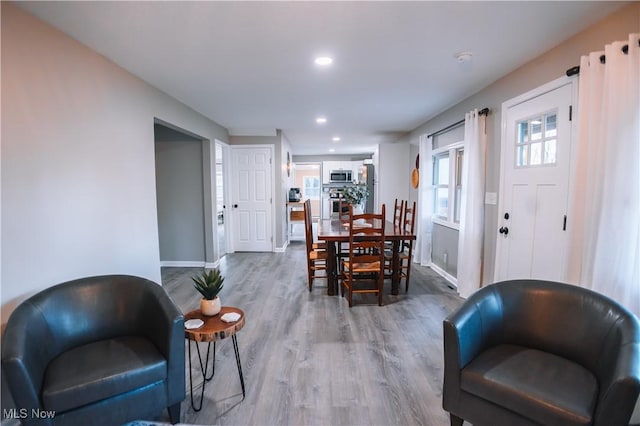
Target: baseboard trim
281 249
182 264
189 264
444 274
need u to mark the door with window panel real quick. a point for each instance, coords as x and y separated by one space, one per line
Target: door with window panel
532 241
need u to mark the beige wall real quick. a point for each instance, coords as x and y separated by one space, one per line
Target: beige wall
547 67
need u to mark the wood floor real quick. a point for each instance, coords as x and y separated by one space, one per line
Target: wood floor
310 360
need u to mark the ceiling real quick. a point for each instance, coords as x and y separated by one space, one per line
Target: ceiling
249 66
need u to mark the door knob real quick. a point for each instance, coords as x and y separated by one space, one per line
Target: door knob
503 230
235 206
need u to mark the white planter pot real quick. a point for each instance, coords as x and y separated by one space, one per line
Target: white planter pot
210 307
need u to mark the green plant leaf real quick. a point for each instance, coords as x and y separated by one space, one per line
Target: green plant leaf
208 284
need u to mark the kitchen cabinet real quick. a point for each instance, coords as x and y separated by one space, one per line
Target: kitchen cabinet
327 166
356 170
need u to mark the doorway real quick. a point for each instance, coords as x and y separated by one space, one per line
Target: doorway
185 184
307 178
534 183
252 198
180 197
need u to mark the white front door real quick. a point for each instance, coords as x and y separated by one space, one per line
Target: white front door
536 151
251 199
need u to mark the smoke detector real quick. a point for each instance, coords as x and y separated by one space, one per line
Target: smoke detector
463 57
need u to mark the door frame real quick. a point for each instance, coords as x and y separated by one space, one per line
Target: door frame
271 147
226 181
504 139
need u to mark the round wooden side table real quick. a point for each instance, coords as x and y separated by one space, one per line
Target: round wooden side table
212 330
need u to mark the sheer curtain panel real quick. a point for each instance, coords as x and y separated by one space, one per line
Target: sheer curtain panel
422 252
604 213
471 233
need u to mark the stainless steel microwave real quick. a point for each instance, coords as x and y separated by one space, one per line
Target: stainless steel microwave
340 176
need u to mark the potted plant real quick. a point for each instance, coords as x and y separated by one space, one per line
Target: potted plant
356 195
209 284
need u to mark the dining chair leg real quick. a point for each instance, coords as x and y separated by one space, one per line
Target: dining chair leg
406 283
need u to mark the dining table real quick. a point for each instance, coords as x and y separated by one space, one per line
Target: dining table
335 231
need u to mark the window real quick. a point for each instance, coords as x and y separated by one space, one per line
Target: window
441 185
536 141
311 187
447 184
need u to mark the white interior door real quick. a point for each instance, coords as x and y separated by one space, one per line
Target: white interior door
536 151
252 199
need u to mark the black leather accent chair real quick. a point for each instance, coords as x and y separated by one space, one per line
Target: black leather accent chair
530 352
101 351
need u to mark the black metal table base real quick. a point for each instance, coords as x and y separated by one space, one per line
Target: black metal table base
205 367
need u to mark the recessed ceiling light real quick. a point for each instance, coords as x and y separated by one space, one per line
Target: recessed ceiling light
332 150
336 139
323 61
321 120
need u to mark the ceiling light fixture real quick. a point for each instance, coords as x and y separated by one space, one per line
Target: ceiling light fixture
336 139
332 150
323 61
463 56
321 120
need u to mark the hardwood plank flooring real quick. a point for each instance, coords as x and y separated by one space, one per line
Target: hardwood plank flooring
308 359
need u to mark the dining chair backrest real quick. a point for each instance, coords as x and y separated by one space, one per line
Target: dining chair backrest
397 212
343 210
409 219
366 237
316 253
308 225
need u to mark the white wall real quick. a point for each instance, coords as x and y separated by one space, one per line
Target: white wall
394 177
78 176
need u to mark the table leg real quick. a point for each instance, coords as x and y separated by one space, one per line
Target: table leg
332 267
395 267
203 370
235 348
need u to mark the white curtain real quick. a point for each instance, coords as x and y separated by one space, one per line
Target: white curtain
471 234
604 212
422 252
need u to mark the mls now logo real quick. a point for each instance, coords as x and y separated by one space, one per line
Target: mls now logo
23 413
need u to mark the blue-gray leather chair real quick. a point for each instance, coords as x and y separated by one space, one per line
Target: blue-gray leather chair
530 352
102 351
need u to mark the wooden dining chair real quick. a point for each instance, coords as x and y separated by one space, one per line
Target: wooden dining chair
316 252
405 249
398 209
344 207
363 270
343 210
